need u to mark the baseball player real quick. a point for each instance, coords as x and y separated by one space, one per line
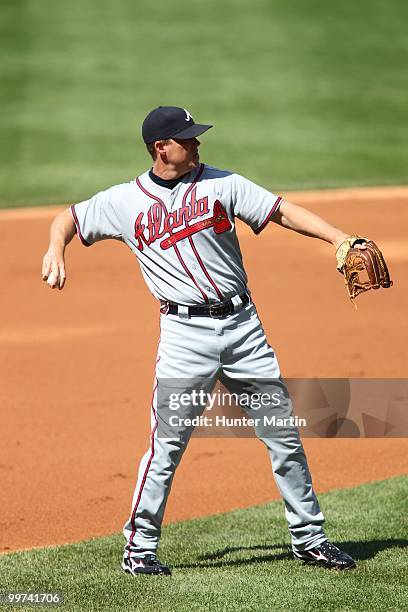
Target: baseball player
179 220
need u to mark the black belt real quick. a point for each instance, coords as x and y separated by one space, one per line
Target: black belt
215 311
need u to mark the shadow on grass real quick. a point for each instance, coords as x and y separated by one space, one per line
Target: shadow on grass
217 558
368 549
359 550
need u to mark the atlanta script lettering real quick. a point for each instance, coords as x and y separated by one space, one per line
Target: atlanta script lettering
159 223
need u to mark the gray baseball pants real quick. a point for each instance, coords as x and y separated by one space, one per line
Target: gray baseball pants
236 349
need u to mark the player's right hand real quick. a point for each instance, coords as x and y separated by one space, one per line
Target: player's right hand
53 269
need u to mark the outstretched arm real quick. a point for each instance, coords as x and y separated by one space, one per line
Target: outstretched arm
305 222
62 231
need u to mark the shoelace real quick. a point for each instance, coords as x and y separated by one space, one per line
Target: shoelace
152 560
329 548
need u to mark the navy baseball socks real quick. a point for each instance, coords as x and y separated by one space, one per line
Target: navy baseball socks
326 555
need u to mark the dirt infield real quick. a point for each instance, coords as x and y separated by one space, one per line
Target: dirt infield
77 368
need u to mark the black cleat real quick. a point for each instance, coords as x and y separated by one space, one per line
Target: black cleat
147 565
326 555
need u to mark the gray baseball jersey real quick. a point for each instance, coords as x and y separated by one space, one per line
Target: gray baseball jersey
184 238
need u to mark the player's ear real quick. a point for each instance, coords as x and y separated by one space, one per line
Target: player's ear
160 146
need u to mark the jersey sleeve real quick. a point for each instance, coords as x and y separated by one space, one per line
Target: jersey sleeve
253 204
96 219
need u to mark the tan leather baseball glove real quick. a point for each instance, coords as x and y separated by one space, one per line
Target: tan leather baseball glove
363 269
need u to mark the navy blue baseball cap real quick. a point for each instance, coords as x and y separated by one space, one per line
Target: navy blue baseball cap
170 122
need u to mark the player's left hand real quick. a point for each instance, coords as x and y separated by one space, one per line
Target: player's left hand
363 265
357 242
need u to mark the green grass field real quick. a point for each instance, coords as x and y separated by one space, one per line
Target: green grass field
303 94
239 561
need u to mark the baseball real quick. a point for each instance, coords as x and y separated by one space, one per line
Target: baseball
52 278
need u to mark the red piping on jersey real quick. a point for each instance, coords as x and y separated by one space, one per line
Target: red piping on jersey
78 228
204 269
142 484
269 216
159 201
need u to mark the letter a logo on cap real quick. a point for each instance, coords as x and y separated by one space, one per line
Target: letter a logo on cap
188 116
